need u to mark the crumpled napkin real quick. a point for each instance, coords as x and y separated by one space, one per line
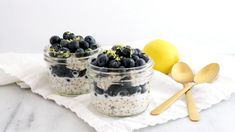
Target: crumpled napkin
29 70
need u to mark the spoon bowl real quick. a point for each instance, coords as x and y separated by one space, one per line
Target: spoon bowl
182 73
207 74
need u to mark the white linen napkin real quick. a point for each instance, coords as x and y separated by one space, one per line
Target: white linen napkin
29 70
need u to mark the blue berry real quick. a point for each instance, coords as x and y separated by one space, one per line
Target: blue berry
64 43
126 51
138 51
93 46
144 56
140 62
98 90
90 40
79 38
102 60
71 36
133 90
128 62
87 52
54 40
123 92
66 35
114 64
117 89
94 62
79 53
82 73
143 88
135 57
61 71
73 46
84 45
63 53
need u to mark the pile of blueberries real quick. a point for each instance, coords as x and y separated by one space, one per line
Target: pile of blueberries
122 90
62 71
71 43
121 57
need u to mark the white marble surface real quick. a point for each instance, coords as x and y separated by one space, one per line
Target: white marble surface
23 111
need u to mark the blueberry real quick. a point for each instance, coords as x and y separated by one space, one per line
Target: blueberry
66 35
64 43
140 62
82 73
71 36
84 45
94 62
133 90
52 54
114 64
90 40
53 50
79 38
79 53
134 52
102 60
137 51
55 47
126 51
98 90
143 88
128 62
135 57
63 52
87 52
117 89
138 89
73 46
144 56
115 47
55 40
123 92
119 52
112 88
93 46
61 71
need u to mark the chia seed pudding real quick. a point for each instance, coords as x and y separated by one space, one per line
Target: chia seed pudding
67 60
122 89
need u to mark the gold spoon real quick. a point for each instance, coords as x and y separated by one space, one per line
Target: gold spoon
183 74
206 74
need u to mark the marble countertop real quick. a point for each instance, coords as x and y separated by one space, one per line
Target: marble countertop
23 111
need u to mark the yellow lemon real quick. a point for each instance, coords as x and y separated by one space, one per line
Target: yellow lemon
163 53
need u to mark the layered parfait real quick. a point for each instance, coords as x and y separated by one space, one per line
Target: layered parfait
67 59
120 81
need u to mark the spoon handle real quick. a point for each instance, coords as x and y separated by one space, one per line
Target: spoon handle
192 110
170 101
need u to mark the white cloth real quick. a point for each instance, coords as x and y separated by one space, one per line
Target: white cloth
31 70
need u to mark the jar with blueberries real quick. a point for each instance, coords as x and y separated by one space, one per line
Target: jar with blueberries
120 81
67 59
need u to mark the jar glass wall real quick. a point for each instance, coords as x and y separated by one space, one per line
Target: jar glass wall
67 76
120 91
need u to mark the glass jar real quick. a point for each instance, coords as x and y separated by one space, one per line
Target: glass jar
122 91
67 76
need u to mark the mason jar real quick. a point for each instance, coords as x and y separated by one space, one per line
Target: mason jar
120 91
68 76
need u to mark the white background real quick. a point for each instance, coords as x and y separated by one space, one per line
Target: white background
26 25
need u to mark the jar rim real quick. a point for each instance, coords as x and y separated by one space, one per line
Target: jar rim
46 55
120 70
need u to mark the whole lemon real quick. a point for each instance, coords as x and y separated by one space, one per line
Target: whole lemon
163 53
